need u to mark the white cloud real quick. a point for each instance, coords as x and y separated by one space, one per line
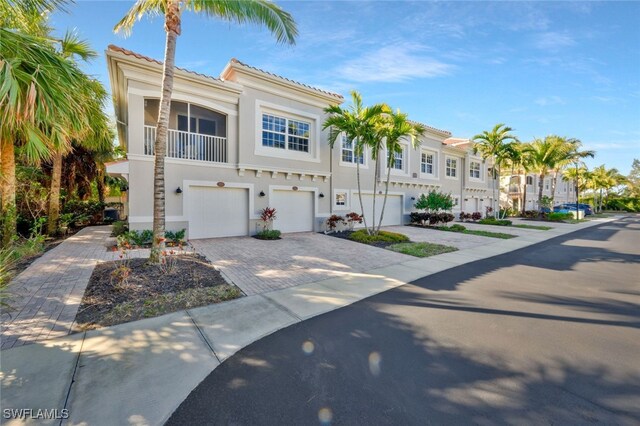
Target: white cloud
553 40
550 100
394 63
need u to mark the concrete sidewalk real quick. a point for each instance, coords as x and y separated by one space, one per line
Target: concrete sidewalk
139 372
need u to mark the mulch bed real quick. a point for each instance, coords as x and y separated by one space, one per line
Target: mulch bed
345 236
150 291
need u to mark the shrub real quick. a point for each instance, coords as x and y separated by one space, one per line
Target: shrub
362 236
508 212
559 217
446 217
119 228
530 214
176 238
493 221
268 234
85 211
475 216
465 216
135 238
434 201
267 216
419 218
333 221
457 228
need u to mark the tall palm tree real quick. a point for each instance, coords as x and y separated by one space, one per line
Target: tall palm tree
496 145
263 12
36 111
394 127
569 153
358 124
603 179
546 154
94 134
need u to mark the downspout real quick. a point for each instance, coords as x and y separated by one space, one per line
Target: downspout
331 200
462 181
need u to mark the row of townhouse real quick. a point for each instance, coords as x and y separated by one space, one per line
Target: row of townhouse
514 193
249 139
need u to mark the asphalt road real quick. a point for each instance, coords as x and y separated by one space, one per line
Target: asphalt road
549 334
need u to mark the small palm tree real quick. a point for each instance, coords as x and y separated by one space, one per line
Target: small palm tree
394 127
496 145
358 125
279 22
603 179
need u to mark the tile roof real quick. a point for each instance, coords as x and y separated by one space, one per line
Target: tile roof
451 141
128 52
446 132
335 95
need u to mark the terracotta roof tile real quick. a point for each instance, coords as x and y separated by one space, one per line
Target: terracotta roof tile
335 95
127 52
446 132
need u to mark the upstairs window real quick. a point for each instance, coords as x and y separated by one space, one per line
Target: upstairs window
474 170
529 180
451 167
426 163
398 158
348 152
284 133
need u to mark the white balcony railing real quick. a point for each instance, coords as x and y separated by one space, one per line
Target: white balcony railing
188 146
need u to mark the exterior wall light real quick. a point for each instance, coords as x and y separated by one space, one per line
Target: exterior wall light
179 191
321 195
261 193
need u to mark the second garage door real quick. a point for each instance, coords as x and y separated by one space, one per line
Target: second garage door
217 212
294 210
392 211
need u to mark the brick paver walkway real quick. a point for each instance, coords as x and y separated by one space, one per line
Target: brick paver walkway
258 266
45 297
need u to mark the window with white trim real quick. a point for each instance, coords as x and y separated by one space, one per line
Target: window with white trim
529 180
456 201
285 133
398 159
341 199
451 167
474 169
427 163
546 184
348 154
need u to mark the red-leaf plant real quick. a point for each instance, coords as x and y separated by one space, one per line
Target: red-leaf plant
352 219
268 215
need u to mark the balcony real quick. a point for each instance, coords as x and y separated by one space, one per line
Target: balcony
514 189
188 145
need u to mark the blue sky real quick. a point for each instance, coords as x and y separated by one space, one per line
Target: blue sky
567 68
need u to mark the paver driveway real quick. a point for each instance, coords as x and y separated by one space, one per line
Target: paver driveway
258 266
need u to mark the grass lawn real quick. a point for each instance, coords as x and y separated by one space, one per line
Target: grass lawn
480 233
421 249
540 228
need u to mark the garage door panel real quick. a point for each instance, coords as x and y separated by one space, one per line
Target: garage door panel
392 210
294 210
217 212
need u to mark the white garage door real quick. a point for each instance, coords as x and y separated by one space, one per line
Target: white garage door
471 205
294 210
217 212
392 210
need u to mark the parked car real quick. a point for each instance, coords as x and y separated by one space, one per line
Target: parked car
572 207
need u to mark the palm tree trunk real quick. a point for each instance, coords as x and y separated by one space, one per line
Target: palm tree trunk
54 194
540 188
386 192
172 27
364 219
100 184
7 191
376 175
600 208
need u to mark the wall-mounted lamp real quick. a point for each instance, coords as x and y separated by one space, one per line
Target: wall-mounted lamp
179 191
321 195
413 198
261 193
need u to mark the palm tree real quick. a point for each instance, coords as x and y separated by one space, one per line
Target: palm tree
358 125
95 134
603 179
496 145
397 126
36 111
546 154
580 177
570 153
279 22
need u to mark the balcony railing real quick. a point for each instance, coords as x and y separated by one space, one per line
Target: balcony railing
188 146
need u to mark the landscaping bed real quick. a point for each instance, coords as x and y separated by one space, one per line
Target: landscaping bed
395 242
132 289
461 229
